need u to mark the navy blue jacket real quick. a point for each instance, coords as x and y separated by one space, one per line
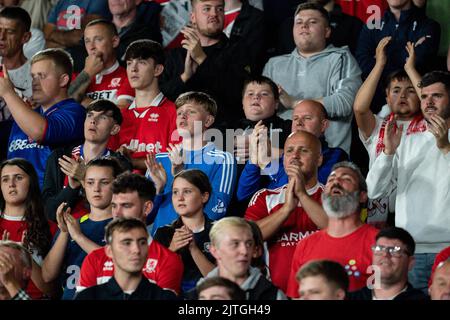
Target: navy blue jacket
412 26
111 291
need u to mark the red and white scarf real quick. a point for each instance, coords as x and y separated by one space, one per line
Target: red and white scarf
417 124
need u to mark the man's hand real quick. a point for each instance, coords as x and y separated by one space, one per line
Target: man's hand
157 172
291 200
126 152
191 43
410 63
259 146
93 65
6 86
181 238
392 137
439 128
380 53
286 100
294 172
176 157
190 67
6 268
73 169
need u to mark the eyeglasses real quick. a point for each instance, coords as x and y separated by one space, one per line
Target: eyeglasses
393 251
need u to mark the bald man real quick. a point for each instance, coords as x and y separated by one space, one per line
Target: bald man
279 212
310 116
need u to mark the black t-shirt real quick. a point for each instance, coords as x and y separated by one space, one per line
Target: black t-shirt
191 272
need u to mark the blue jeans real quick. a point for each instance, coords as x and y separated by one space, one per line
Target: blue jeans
421 272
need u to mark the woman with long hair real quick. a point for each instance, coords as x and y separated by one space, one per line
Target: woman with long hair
189 234
22 217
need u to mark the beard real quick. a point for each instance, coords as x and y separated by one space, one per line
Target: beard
340 206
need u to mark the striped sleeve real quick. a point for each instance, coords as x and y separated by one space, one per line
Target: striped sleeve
223 181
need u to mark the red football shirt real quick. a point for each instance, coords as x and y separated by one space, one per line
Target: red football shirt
111 84
163 267
147 129
282 245
352 251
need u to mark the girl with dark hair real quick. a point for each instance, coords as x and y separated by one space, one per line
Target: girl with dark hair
22 217
189 234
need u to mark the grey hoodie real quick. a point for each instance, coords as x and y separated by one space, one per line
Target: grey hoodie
250 284
333 74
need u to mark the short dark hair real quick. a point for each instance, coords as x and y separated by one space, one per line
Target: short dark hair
108 24
107 107
144 49
201 98
18 14
112 163
59 57
434 77
399 75
197 178
235 292
332 271
262 80
313 6
123 225
398 234
130 182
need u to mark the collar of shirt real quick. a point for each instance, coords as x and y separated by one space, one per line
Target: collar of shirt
155 103
99 76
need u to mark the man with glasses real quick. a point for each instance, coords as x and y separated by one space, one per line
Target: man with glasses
393 257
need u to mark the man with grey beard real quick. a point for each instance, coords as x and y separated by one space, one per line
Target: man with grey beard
346 240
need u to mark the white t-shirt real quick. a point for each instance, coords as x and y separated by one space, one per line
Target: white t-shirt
21 78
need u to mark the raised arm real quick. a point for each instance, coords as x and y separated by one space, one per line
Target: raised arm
365 118
22 113
410 67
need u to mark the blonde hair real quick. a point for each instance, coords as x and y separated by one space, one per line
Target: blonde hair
60 58
203 99
221 227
